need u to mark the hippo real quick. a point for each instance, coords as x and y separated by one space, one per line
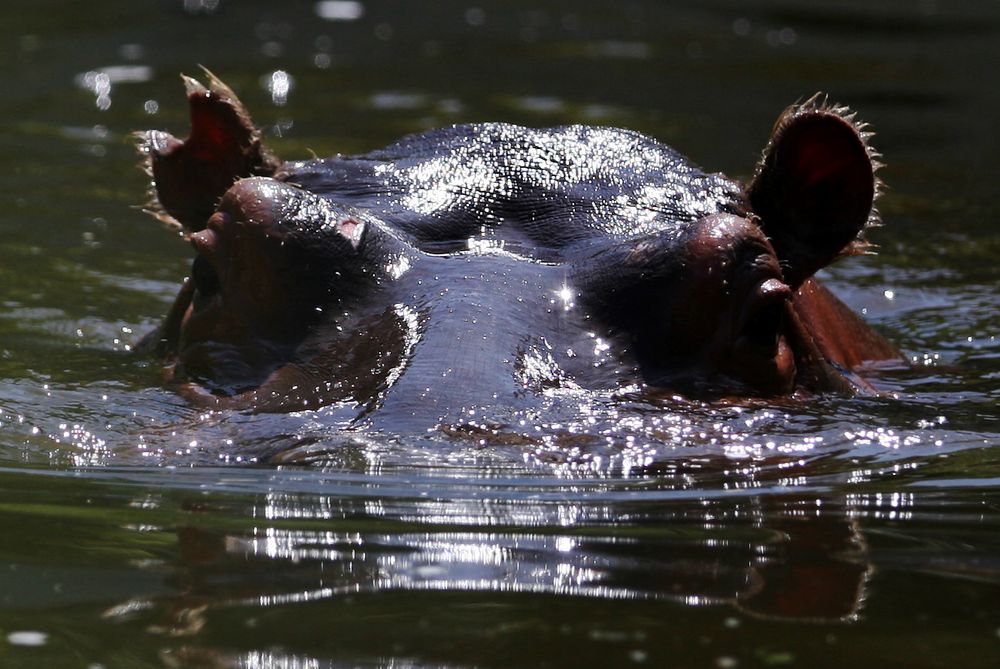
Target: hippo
485 265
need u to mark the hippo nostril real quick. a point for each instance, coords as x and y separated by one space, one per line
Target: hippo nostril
206 280
762 319
763 327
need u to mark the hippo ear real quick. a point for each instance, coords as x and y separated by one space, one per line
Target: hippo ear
190 176
814 187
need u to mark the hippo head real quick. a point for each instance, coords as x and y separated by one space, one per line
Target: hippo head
302 270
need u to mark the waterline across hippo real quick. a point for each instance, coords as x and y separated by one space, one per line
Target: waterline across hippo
484 265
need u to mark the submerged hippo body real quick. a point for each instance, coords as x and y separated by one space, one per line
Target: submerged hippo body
483 265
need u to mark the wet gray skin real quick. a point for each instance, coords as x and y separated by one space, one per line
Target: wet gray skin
482 266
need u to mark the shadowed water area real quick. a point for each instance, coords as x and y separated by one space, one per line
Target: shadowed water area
625 529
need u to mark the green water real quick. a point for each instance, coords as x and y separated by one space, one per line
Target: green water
839 532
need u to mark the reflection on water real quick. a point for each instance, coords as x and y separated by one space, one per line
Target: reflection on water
801 560
360 555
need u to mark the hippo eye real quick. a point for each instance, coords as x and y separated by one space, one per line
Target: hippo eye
204 276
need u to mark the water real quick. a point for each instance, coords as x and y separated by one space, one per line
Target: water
603 531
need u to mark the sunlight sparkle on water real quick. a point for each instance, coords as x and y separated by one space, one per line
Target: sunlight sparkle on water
27 638
339 10
279 84
398 267
100 82
565 294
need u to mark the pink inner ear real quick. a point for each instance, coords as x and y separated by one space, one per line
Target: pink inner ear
817 162
215 130
828 153
814 190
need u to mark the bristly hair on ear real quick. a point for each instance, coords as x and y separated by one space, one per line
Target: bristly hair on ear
819 103
151 206
814 189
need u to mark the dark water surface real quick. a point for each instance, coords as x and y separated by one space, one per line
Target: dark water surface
601 532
